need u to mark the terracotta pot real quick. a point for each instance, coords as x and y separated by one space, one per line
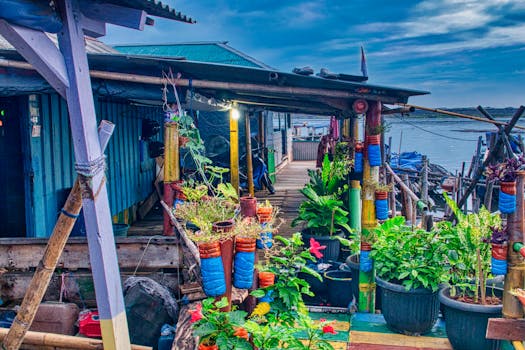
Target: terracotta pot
266 279
208 347
245 244
248 206
499 251
222 226
366 247
373 140
209 250
264 218
508 187
381 195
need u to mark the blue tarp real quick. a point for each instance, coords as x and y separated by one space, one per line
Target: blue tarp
407 160
32 14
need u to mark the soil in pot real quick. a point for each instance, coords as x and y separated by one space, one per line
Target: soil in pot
466 323
412 312
339 286
331 252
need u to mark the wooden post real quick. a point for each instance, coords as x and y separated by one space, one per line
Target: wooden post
171 169
249 160
38 286
261 132
488 195
407 204
90 166
234 148
515 275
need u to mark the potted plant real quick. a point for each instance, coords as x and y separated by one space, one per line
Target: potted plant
217 329
409 266
373 144
246 232
322 218
266 214
505 173
381 201
468 303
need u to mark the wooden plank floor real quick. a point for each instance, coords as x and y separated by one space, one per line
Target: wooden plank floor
287 196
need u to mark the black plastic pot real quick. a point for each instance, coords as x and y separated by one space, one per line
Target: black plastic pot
353 262
466 323
316 286
339 287
412 312
331 252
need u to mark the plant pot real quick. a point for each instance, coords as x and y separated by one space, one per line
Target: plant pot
508 187
243 263
212 269
266 240
227 262
353 263
344 253
317 287
365 246
466 323
339 286
248 206
264 210
373 139
412 312
266 279
208 347
381 203
331 252
222 226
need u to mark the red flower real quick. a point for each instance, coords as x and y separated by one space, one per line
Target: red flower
315 248
196 314
329 329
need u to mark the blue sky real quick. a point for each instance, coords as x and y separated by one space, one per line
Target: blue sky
465 52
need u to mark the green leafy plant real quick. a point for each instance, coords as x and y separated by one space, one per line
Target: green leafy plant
322 215
469 252
413 258
329 180
214 326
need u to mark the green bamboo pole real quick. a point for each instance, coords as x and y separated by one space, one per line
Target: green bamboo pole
355 206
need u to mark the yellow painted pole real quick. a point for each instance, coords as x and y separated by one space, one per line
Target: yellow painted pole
171 169
249 160
234 148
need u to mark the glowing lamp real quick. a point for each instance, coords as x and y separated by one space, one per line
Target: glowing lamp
360 106
235 114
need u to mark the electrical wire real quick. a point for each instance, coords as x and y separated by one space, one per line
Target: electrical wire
432 132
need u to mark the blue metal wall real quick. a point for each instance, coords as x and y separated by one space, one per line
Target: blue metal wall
130 172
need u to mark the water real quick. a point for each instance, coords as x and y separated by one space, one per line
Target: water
447 141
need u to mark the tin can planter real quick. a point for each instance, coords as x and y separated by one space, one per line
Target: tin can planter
248 206
243 263
212 269
466 323
507 197
412 312
374 150
381 203
266 279
339 286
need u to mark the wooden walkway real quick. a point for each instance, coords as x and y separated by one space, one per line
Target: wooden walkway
287 197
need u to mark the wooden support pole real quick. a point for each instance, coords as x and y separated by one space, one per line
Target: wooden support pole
261 133
90 166
38 286
420 204
234 148
515 275
249 160
60 341
171 169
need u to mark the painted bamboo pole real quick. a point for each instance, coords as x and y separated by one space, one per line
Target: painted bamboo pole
38 285
249 160
234 148
516 266
90 166
171 170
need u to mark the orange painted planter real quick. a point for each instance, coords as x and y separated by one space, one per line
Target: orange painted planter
266 279
208 347
499 251
209 250
243 244
264 210
381 195
373 140
508 187
359 147
366 247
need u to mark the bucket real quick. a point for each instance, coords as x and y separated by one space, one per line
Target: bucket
339 285
120 230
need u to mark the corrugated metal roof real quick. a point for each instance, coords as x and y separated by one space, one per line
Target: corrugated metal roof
92 45
153 8
212 52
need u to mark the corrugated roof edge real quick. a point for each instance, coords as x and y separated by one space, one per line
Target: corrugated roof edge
154 8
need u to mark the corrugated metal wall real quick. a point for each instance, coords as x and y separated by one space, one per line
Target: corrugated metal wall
305 150
129 179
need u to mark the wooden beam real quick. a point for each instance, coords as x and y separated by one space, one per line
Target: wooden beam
36 47
114 14
506 329
93 27
90 166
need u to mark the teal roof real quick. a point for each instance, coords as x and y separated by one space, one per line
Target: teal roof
211 52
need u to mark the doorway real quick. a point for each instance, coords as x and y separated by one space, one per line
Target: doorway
12 193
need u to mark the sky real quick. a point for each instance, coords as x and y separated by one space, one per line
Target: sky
465 52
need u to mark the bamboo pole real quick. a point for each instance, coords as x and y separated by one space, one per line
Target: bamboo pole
171 169
460 115
249 160
38 285
234 149
61 341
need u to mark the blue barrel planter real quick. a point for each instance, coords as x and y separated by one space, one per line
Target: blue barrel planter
243 263
266 239
358 161
381 203
365 262
212 269
374 150
507 197
498 267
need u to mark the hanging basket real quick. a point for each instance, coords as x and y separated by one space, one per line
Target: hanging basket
212 269
243 263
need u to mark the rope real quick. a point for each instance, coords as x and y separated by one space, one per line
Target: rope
143 253
68 214
432 132
91 168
